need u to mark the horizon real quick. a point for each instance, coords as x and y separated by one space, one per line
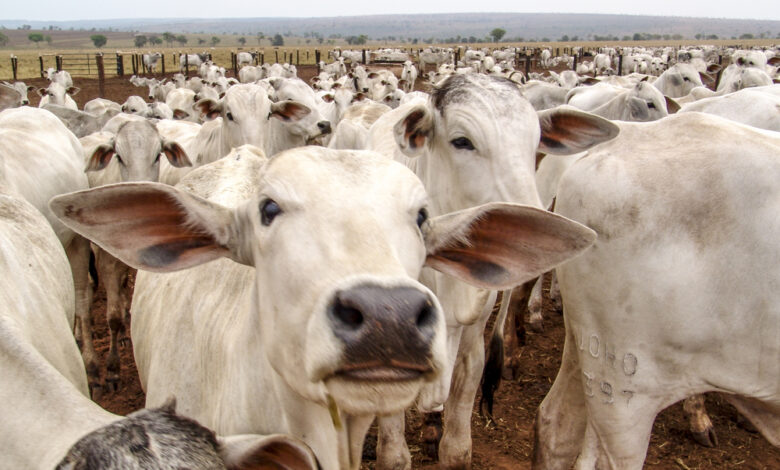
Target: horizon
151 10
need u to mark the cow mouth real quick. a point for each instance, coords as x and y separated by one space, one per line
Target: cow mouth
394 372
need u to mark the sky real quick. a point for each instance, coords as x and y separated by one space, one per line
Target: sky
59 10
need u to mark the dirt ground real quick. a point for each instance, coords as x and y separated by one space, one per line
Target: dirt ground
507 443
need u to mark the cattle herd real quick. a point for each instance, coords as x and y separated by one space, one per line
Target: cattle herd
315 257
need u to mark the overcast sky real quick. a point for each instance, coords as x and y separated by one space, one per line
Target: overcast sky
53 10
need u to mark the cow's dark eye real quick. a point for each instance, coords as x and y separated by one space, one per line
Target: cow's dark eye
462 143
229 116
157 158
269 209
422 216
651 105
119 159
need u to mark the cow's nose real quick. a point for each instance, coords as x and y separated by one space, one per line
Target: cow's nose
365 90
387 331
324 127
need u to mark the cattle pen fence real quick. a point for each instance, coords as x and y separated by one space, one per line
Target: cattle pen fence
121 63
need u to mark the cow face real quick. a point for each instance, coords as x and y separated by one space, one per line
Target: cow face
137 149
337 240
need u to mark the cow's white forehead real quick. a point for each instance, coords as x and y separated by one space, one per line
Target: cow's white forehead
488 92
321 172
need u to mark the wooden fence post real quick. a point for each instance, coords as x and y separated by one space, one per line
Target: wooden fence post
364 57
40 59
297 57
14 65
574 67
620 65
234 61
58 62
317 59
101 75
186 65
527 65
162 58
276 55
120 66
135 64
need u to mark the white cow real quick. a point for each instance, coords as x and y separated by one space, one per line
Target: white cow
473 142
246 114
678 80
182 102
81 123
62 77
408 76
245 58
133 153
677 295
22 88
40 158
135 105
757 107
643 102
151 60
59 95
336 240
47 414
190 60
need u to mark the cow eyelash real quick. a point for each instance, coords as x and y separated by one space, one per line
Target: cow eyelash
462 143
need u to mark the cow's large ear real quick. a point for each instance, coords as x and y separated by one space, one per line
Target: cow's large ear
209 109
672 106
499 245
176 155
152 226
566 130
252 452
414 131
101 156
289 111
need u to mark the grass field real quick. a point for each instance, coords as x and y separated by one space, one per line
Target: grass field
77 49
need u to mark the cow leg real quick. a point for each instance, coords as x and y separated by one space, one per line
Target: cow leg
112 272
392 453
78 255
455 445
616 436
126 298
701 426
555 292
765 417
560 420
535 307
514 331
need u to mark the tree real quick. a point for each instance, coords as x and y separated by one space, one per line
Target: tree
746 36
155 40
181 39
201 41
497 34
140 40
3 39
47 38
242 40
35 37
215 40
278 40
98 40
168 38
564 38
260 36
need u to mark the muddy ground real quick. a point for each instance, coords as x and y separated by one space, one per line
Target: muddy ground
508 442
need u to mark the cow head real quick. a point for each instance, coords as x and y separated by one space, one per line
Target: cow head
137 148
337 240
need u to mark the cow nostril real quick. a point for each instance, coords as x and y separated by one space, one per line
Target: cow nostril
350 317
324 126
426 317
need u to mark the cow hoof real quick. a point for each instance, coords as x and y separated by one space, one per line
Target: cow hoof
745 424
511 369
706 438
112 384
95 391
536 326
431 435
